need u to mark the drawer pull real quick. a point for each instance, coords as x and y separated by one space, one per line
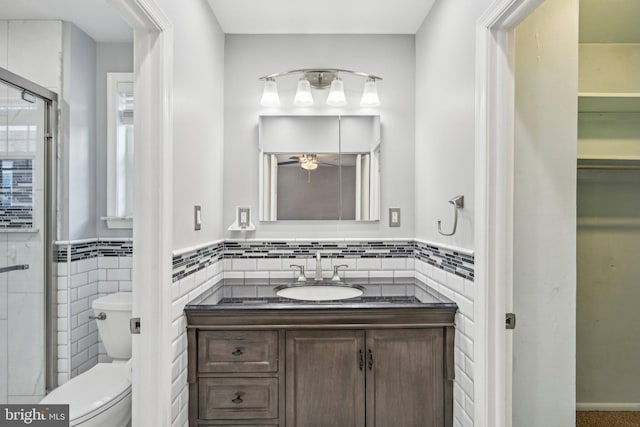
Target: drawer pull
361 360
237 352
370 360
238 398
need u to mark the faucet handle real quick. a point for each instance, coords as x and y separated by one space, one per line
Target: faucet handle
336 276
301 276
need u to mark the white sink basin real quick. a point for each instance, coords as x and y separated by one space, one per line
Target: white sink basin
319 292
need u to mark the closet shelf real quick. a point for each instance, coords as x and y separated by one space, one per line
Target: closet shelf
608 162
608 102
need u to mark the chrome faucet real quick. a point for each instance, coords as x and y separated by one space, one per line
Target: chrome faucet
318 276
301 276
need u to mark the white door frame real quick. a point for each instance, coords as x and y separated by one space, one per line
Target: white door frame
153 215
494 179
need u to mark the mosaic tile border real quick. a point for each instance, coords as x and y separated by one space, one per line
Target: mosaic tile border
290 250
92 249
188 263
16 194
452 261
449 260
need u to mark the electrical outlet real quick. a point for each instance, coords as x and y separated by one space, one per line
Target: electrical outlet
197 218
394 217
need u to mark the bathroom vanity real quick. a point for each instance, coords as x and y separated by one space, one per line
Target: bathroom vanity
374 361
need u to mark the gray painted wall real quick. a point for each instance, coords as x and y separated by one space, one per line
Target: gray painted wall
116 58
80 93
445 119
198 125
247 57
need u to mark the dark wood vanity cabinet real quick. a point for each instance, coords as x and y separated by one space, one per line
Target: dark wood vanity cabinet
325 378
378 377
321 368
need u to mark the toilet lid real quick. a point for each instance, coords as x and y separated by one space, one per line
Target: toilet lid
92 392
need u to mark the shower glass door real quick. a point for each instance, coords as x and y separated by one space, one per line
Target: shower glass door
22 238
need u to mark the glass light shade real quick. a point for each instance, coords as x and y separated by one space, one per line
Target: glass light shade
270 96
370 94
309 165
336 96
303 96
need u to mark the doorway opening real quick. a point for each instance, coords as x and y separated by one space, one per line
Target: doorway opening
608 215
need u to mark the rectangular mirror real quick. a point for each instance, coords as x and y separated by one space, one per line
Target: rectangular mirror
319 168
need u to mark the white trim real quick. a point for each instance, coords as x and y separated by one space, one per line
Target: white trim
153 216
75 242
325 239
93 239
113 169
186 250
118 222
447 247
494 209
607 406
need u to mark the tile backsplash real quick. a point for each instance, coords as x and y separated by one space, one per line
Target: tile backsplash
16 194
260 259
87 270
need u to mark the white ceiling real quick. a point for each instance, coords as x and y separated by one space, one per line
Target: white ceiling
609 21
601 21
95 17
320 17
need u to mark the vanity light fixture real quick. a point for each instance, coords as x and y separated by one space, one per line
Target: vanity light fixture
270 96
336 96
370 94
320 78
303 96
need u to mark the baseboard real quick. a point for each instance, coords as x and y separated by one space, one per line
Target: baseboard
607 406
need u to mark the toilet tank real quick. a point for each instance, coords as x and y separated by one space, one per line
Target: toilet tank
114 328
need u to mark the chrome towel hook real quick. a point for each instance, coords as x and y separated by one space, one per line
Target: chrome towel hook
458 203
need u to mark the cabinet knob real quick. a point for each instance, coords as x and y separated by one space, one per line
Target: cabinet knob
237 352
370 359
361 360
238 398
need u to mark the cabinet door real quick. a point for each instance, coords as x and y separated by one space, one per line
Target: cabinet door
405 378
325 379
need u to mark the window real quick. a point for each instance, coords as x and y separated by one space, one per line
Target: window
119 150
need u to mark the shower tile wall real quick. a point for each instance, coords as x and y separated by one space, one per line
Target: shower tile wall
87 271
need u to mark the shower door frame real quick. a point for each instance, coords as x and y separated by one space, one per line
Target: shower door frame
51 116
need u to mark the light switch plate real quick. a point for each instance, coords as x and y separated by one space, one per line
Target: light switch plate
244 217
197 218
394 217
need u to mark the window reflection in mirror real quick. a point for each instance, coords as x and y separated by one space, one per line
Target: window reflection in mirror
336 177
120 148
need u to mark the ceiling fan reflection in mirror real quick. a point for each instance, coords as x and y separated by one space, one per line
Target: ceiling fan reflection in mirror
311 161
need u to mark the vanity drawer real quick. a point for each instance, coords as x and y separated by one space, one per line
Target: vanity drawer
238 398
237 351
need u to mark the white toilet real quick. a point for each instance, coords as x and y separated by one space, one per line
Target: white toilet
101 396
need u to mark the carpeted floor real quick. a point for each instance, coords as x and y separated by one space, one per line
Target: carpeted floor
607 419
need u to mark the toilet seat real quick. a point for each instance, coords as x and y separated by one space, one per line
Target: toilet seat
93 392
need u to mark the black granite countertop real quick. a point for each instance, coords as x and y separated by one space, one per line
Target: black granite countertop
422 297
